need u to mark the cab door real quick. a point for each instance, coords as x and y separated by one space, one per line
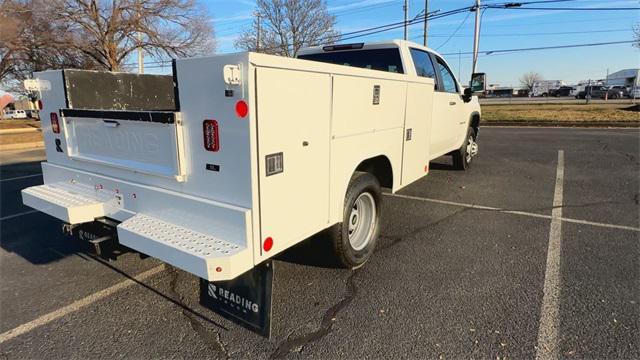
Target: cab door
448 109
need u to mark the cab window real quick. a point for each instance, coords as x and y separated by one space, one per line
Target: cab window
376 59
423 64
448 81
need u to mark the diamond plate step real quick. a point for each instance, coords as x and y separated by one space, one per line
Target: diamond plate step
74 204
200 254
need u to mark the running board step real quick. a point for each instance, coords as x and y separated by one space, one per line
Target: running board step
200 254
73 203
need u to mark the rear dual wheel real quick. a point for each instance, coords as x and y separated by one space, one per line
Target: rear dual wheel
355 238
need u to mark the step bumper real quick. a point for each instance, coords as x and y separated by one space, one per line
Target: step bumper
200 254
209 239
75 204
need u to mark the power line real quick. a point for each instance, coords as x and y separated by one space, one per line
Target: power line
491 52
369 31
561 8
455 31
532 34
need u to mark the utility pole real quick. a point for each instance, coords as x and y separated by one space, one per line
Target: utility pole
406 18
476 37
426 21
258 35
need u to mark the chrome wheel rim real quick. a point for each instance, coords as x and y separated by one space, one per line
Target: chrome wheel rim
362 221
472 148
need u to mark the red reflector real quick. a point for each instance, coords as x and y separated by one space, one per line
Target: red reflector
55 125
39 104
242 109
218 269
268 244
210 133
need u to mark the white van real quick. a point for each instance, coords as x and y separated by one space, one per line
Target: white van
19 114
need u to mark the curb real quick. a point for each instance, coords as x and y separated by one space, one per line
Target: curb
19 131
23 146
536 123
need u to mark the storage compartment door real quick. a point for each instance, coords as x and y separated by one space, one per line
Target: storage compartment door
144 142
417 125
293 120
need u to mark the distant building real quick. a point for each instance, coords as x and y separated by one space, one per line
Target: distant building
628 78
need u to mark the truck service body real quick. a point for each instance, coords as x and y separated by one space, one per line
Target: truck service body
254 154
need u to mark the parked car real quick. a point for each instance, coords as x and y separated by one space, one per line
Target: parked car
562 91
615 92
635 93
15 114
34 114
596 91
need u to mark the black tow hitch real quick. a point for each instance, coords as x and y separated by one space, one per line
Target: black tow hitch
101 235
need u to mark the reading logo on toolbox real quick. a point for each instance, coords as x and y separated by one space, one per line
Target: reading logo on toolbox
245 300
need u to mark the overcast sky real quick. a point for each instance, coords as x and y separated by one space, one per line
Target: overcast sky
501 29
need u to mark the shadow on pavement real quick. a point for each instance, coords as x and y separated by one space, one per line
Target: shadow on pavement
38 238
9 171
315 251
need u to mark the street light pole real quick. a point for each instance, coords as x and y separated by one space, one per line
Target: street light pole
476 37
258 35
139 38
140 56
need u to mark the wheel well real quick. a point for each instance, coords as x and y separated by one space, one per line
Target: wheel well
475 122
380 167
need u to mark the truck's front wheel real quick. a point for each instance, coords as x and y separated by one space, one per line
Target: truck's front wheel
355 238
463 156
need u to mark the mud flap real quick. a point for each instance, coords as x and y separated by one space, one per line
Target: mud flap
245 300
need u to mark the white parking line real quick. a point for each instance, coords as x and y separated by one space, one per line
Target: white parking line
549 320
77 305
18 214
514 212
21 177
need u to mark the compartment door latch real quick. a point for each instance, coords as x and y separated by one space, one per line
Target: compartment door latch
232 74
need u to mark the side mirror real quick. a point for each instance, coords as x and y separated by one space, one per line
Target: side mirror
478 82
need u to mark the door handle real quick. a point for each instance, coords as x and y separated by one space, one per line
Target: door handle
110 123
452 102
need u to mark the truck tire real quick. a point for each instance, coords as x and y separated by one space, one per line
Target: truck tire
462 157
354 239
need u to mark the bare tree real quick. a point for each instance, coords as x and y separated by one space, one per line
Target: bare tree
28 43
37 35
636 35
529 79
110 31
283 27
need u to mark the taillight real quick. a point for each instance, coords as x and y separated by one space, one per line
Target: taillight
242 109
55 125
210 133
268 243
39 104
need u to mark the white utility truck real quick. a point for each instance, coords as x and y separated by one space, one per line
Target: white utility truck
238 157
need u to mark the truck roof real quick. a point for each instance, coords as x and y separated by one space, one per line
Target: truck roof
369 45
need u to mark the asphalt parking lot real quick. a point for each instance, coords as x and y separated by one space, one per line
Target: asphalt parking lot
534 252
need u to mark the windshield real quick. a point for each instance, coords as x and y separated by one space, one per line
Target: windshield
376 59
